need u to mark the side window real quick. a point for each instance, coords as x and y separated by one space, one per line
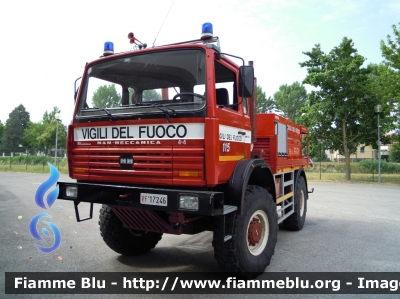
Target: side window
225 86
201 90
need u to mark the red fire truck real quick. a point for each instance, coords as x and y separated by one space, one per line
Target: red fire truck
167 139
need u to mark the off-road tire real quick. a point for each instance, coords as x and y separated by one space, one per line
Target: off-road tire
238 254
296 221
123 240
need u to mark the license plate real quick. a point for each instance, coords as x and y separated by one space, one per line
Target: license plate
154 199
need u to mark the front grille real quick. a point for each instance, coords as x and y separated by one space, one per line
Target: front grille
161 163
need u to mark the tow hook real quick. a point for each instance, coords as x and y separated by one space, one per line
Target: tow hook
312 191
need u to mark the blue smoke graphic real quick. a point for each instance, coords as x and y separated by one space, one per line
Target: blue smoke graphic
45 186
35 233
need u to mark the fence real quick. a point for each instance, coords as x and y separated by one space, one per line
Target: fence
23 161
361 171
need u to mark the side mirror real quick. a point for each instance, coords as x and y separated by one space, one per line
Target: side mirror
76 89
246 81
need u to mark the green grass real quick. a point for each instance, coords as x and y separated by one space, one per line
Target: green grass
31 168
364 171
355 177
365 166
36 164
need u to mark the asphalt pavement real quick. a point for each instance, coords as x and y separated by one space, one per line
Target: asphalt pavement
349 228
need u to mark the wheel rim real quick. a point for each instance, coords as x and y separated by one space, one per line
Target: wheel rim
301 203
257 232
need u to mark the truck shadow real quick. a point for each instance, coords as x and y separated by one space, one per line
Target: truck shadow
177 253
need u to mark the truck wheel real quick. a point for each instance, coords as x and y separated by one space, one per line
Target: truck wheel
252 245
296 220
123 240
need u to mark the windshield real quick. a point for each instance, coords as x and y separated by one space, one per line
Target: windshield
155 84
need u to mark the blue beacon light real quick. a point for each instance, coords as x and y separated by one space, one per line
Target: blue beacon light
207 31
108 49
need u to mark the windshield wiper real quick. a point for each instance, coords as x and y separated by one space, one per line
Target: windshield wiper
167 111
112 117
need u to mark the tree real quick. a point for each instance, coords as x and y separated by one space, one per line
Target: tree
290 99
2 128
47 139
151 95
391 50
341 111
31 134
48 117
390 72
15 125
106 96
394 154
42 135
378 86
264 104
317 149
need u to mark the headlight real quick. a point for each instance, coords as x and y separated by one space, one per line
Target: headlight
189 202
71 191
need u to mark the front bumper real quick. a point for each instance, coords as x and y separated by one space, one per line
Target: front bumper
210 203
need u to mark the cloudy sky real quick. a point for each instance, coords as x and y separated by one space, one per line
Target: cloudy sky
45 44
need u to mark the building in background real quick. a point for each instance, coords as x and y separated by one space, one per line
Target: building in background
363 153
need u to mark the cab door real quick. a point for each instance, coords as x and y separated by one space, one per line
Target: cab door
234 124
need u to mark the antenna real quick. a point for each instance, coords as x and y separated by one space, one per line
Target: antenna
163 23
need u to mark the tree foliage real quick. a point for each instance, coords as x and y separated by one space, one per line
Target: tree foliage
31 134
341 111
14 131
391 50
264 104
48 117
2 128
54 130
378 86
389 84
394 154
106 96
42 135
290 99
151 95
